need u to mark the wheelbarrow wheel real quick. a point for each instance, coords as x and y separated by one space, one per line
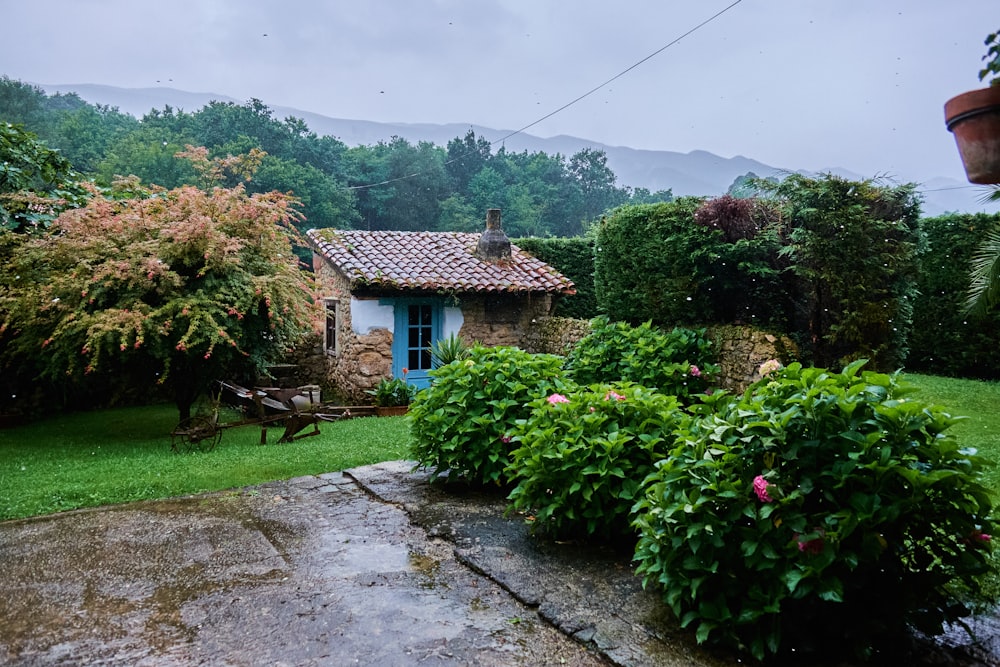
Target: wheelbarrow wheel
197 434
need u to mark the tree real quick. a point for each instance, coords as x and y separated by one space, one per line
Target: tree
412 182
644 196
466 158
36 182
189 285
853 247
597 182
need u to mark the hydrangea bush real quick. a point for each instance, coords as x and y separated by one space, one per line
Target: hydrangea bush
581 457
459 424
679 362
819 510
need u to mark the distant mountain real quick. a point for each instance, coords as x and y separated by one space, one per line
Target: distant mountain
694 173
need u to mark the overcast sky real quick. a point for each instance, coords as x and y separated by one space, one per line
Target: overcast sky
799 84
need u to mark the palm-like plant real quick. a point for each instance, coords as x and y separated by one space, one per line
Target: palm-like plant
984 273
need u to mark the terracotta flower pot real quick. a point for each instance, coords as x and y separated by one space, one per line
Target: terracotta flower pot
974 119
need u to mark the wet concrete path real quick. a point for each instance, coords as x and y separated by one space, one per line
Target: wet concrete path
370 567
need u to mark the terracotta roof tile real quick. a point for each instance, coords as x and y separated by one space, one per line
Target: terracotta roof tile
430 261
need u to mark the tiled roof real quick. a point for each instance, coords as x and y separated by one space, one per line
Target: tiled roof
431 261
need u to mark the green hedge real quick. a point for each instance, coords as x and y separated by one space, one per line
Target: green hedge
574 258
829 261
657 262
946 341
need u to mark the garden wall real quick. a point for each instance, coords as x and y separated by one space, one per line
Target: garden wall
740 349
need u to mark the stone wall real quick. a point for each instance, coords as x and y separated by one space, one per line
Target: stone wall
741 350
554 335
362 360
495 320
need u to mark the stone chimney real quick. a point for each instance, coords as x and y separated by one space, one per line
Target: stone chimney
494 246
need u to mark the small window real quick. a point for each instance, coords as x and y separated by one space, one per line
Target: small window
330 334
419 325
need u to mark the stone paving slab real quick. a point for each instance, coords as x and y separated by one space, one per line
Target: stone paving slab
374 566
590 593
311 571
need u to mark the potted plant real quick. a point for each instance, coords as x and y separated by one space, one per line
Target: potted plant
974 119
393 395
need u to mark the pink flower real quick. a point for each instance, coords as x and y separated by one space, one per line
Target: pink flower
611 394
768 367
505 439
695 371
813 546
557 398
760 488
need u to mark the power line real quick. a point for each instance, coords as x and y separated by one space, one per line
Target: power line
570 103
620 74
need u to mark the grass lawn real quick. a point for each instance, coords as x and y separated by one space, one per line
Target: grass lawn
122 455
980 403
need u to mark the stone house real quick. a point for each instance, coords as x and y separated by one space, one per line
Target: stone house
389 296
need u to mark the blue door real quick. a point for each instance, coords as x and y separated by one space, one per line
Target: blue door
417 328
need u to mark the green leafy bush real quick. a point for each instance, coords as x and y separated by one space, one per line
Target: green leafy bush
392 392
459 423
679 362
582 456
648 261
819 510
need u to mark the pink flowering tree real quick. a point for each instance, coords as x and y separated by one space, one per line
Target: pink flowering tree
152 287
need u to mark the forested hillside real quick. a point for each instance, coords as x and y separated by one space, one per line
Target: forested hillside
393 184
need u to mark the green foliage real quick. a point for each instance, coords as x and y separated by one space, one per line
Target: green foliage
992 59
950 341
574 258
184 286
679 363
447 350
392 392
581 457
983 295
460 422
819 511
637 277
853 247
399 185
36 182
776 263
675 264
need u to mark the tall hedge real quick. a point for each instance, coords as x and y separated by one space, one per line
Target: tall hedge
831 262
647 264
945 340
574 258
688 262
